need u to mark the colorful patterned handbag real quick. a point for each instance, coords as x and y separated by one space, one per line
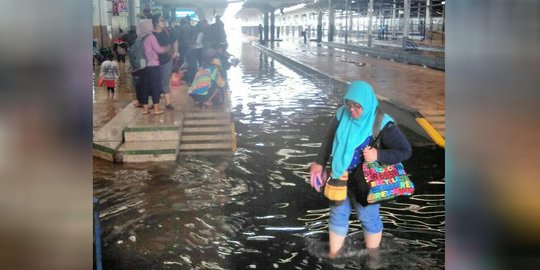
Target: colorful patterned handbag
386 181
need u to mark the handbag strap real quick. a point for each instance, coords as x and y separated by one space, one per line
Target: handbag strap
377 131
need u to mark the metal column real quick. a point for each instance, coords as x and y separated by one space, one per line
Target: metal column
406 16
319 27
133 5
346 21
272 25
370 15
428 22
331 21
394 18
265 24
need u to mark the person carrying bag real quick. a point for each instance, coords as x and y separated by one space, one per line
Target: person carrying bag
347 141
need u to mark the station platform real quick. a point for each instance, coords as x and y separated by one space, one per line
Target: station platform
415 90
413 94
130 136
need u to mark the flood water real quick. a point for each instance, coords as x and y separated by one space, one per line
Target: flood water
255 209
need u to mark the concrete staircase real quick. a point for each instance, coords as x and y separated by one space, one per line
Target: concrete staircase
188 130
207 133
152 138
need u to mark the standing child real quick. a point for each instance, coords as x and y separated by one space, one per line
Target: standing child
109 72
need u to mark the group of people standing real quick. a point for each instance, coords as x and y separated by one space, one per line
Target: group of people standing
160 48
199 44
167 49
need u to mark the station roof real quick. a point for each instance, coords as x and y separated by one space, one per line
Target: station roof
251 5
205 4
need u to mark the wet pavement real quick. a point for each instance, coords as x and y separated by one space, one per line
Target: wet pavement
417 88
254 209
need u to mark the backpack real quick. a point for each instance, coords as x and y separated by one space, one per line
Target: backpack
136 54
201 83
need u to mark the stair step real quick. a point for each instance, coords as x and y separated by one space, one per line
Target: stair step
197 146
149 151
106 150
205 153
209 137
222 128
207 122
207 115
165 135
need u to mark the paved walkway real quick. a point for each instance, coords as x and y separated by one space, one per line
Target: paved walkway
413 87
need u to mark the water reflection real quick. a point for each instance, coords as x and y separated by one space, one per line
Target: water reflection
254 209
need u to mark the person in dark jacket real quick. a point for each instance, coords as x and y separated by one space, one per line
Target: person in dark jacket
130 37
347 141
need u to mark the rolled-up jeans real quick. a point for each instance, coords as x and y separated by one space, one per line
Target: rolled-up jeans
369 217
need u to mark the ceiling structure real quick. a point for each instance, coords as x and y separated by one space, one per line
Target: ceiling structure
252 5
205 4
255 6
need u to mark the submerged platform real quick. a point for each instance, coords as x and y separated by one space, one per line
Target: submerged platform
420 107
187 130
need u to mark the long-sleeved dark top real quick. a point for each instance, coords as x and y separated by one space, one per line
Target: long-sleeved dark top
394 145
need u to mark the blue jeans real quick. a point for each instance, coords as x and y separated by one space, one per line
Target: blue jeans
368 216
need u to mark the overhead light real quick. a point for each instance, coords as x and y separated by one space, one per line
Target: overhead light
442 2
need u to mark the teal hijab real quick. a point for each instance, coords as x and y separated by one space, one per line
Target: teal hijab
351 133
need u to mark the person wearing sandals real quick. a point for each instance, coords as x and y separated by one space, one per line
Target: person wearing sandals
347 140
165 37
152 74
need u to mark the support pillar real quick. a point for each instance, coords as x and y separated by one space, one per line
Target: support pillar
331 21
370 27
266 25
346 21
272 25
133 6
443 21
201 13
351 13
394 18
319 27
406 16
420 26
102 22
428 23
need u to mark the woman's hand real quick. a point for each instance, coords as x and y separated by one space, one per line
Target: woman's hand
317 178
370 154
